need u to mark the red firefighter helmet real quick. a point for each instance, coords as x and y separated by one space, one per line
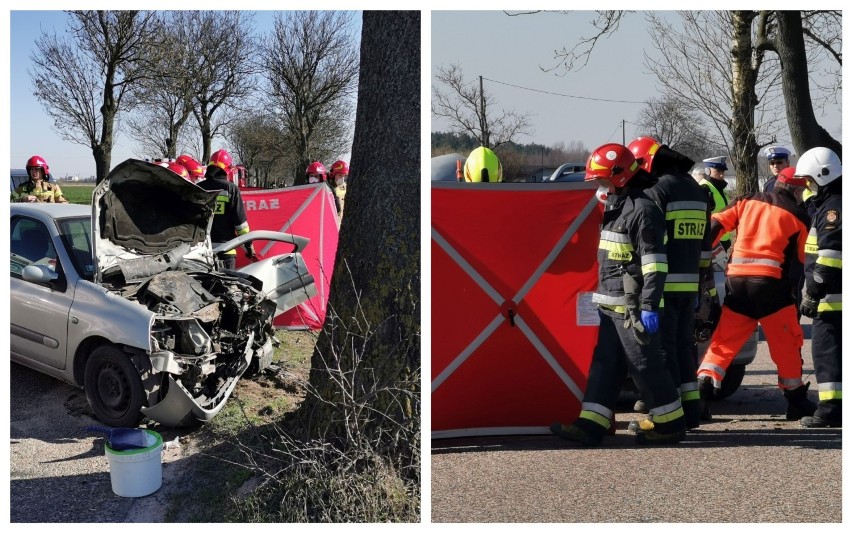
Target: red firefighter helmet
316 168
221 159
788 175
38 161
175 167
195 169
339 168
644 149
614 162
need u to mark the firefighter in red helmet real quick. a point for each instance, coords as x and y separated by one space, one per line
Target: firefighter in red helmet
684 204
230 218
195 169
175 167
316 174
37 188
631 277
339 172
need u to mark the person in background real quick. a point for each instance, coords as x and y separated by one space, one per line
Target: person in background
715 184
195 169
230 219
632 268
822 298
339 173
779 159
772 229
37 188
698 174
316 174
483 165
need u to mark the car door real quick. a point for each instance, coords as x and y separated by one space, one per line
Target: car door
38 311
285 280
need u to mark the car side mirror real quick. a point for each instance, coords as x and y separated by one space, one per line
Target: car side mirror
39 274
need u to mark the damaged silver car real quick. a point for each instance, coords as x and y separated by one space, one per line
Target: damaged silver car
127 300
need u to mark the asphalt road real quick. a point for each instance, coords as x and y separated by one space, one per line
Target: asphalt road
58 470
747 465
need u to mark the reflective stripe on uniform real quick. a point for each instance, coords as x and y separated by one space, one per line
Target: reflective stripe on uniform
830 391
789 383
755 261
667 413
830 258
811 242
617 245
597 413
242 229
830 302
654 263
689 391
681 283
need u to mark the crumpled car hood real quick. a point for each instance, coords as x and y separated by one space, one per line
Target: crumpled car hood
145 217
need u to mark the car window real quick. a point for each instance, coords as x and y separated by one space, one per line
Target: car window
30 245
76 235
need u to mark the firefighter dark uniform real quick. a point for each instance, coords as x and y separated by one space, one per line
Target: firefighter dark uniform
229 220
684 204
631 243
771 234
822 298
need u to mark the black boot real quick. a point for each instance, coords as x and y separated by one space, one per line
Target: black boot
692 413
798 405
583 431
828 414
706 391
666 433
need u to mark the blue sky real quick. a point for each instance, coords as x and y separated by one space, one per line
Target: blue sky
32 130
512 49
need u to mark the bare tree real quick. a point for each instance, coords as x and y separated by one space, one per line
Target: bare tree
165 100
787 38
466 105
84 82
223 71
311 66
737 92
674 123
258 141
375 289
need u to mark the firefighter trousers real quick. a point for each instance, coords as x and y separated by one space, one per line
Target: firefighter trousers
677 335
618 354
826 340
783 335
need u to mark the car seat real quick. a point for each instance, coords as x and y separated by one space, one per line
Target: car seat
33 245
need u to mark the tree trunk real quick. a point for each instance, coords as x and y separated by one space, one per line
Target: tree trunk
744 103
371 336
805 131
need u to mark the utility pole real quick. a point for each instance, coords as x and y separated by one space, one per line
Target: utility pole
483 124
623 139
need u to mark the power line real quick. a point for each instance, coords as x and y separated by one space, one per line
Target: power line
566 95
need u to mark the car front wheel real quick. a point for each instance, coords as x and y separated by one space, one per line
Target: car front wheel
113 387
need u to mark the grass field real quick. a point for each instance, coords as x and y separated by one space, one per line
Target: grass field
78 193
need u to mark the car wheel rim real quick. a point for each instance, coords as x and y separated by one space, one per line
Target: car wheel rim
113 388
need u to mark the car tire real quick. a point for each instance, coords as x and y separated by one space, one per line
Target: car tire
113 387
733 379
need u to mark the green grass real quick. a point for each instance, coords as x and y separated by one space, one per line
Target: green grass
78 194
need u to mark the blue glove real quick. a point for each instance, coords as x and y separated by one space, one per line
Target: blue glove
651 321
